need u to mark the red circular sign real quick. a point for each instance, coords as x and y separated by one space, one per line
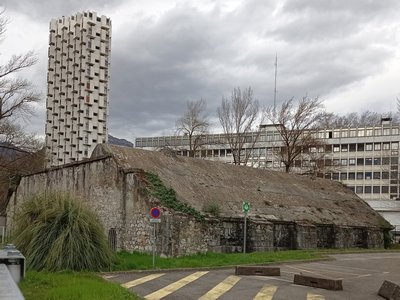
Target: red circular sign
155 212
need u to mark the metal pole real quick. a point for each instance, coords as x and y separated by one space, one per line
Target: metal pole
244 232
154 245
276 73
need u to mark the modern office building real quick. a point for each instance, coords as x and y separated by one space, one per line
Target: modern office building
77 86
366 159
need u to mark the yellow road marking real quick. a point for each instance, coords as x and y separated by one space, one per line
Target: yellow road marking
266 293
141 280
174 286
221 288
311 296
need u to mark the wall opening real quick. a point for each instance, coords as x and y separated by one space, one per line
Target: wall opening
112 239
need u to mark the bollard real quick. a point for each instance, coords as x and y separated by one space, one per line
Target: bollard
14 261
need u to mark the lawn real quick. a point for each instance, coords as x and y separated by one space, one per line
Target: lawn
140 261
90 286
71 286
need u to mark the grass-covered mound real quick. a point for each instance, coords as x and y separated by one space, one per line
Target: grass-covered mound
55 231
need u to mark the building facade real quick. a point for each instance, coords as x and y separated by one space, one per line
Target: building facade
77 86
365 159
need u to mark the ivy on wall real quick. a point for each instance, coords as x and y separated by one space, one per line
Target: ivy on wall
167 196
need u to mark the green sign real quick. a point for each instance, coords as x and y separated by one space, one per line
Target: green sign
246 207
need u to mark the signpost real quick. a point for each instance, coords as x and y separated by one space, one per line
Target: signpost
155 214
246 208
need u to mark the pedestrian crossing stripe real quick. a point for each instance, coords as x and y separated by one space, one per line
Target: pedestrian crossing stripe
221 288
266 293
161 293
311 296
108 276
141 280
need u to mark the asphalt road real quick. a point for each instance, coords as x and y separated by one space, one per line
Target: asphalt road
362 276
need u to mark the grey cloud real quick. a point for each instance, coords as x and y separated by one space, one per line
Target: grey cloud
44 10
160 62
173 60
323 20
188 54
357 8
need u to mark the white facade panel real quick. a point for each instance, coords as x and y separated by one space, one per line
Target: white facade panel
79 47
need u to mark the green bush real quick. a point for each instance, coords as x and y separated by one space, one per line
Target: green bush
57 232
213 209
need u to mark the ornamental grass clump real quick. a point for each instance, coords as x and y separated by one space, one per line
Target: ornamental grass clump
55 231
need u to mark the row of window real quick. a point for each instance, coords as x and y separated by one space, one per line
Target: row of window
360 147
360 132
367 189
85 14
354 147
368 161
98 19
362 175
261 152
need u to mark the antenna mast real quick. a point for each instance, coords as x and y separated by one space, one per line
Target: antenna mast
276 72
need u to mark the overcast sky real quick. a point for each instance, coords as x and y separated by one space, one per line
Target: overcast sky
166 52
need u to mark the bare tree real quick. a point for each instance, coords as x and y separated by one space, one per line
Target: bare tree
16 94
15 163
297 125
354 119
20 154
194 124
3 23
239 117
398 104
13 136
18 151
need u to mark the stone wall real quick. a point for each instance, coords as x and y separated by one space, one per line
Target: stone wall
260 236
326 235
97 183
120 199
307 236
183 235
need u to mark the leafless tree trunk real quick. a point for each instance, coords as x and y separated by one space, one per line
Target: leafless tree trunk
297 127
194 124
239 117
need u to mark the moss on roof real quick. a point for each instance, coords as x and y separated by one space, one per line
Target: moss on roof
272 195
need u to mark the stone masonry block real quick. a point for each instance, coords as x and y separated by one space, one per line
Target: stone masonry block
258 270
322 283
389 290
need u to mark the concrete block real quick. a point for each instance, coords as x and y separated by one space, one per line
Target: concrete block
389 290
317 282
8 288
258 270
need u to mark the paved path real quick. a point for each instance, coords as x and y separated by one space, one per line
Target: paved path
362 276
